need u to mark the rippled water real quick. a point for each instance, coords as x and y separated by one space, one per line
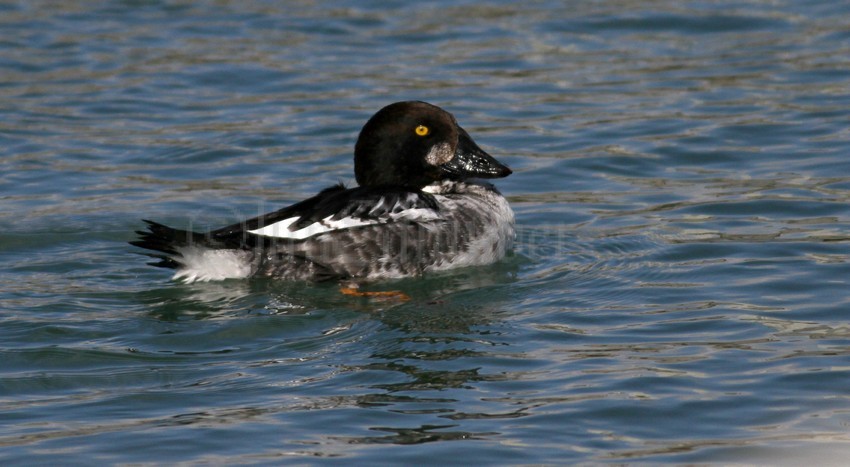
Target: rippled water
680 288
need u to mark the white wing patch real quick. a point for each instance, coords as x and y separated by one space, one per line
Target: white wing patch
281 229
416 215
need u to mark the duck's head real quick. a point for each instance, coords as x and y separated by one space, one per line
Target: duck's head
414 144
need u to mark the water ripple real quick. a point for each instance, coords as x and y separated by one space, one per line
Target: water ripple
677 295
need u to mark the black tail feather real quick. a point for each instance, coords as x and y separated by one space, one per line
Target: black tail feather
167 242
163 261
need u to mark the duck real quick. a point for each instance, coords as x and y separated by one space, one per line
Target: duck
421 205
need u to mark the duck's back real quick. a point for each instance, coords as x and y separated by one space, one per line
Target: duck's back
475 226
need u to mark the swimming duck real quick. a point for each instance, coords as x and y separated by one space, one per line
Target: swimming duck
419 207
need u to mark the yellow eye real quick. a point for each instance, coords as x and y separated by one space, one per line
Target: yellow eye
422 130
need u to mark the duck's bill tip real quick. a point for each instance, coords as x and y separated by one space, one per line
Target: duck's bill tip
470 161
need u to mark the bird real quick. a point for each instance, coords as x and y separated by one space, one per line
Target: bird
421 205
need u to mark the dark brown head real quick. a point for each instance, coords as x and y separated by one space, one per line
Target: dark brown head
413 144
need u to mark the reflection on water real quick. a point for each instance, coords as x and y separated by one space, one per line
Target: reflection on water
423 434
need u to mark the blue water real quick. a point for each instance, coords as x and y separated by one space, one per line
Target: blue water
679 292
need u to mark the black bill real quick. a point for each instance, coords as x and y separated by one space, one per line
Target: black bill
470 161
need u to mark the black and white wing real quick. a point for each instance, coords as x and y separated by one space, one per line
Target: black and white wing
336 208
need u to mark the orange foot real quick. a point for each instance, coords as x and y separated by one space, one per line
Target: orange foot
395 294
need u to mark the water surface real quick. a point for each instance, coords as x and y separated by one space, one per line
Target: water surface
678 294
